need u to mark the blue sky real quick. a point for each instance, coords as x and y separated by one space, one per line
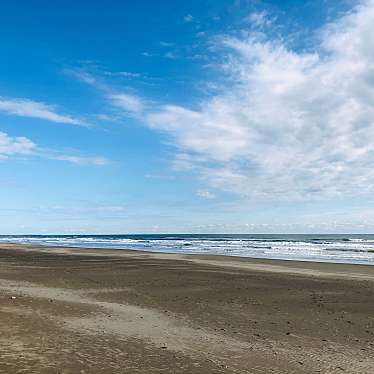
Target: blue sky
198 116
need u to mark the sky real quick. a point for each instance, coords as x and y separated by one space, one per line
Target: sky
200 116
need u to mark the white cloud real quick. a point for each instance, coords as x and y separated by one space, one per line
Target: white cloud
34 109
22 146
171 55
82 76
11 146
87 207
205 194
292 124
166 44
259 19
126 102
215 133
188 18
125 74
160 176
82 160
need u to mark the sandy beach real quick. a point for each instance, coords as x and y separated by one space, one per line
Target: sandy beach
100 311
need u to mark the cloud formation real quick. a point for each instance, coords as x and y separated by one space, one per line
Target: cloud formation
291 125
259 19
126 102
81 160
205 194
35 109
10 146
22 146
188 18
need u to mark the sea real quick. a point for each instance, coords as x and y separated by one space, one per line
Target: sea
351 249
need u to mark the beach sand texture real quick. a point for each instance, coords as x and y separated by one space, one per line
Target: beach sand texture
99 311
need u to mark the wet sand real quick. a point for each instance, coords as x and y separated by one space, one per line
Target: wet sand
100 311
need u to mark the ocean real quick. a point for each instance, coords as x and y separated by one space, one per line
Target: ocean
353 249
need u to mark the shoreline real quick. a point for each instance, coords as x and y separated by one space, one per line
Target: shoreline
105 311
312 268
350 256
199 254
329 248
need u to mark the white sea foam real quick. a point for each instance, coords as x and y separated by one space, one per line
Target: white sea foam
306 248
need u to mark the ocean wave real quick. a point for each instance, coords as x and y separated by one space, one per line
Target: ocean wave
354 249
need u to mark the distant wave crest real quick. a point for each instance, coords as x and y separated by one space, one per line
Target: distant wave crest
326 248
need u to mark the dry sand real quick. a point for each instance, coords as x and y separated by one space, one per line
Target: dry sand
101 311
